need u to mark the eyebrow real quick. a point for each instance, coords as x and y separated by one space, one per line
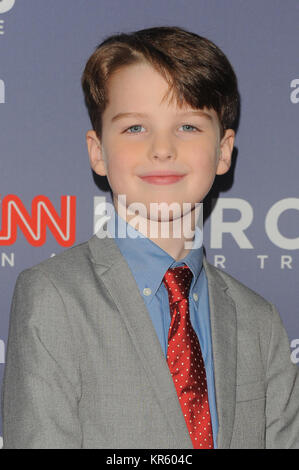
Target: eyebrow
141 115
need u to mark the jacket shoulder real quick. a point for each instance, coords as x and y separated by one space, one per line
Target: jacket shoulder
63 266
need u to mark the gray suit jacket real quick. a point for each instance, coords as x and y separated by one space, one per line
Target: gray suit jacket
85 369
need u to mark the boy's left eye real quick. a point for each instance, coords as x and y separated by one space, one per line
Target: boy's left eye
136 126
189 125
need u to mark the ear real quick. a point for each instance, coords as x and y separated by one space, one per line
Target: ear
226 149
94 148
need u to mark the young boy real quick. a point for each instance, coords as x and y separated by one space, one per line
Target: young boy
137 341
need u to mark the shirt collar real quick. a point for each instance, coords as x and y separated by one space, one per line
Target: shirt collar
147 261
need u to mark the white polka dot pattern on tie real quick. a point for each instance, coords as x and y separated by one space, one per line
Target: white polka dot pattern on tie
185 360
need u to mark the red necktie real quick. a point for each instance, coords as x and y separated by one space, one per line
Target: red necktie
185 360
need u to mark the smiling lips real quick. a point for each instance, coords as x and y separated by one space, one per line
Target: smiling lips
162 178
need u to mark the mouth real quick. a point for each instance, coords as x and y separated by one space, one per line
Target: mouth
162 179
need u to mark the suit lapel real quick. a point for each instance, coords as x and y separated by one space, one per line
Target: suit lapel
114 271
224 345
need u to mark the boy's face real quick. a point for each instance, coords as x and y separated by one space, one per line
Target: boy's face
163 139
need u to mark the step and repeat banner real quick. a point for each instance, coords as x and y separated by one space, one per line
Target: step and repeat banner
49 198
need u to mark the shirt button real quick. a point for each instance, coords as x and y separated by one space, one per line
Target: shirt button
147 291
195 296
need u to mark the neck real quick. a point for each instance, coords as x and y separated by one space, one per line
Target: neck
175 236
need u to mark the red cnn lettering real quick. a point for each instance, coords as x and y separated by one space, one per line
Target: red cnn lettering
43 215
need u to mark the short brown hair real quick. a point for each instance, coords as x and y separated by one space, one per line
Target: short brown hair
196 70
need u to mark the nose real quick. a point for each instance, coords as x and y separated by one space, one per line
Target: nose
162 147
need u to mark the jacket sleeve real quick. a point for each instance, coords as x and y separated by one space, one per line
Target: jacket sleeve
41 385
282 404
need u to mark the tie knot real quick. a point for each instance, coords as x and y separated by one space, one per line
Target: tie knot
177 282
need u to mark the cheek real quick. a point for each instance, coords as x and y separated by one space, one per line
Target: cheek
118 170
121 156
117 164
205 161
124 160
116 158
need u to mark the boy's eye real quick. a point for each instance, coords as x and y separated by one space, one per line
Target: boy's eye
189 126
137 126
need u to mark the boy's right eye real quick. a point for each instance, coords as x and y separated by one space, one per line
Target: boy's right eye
133 127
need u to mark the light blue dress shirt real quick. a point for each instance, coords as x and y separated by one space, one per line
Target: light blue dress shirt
149 263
